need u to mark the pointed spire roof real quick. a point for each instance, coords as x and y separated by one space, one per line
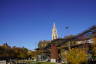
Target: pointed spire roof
54 27
54 32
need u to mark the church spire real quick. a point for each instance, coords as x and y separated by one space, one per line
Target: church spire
54 32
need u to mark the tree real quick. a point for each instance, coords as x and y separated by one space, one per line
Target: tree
75 56
13 52
94 48
54 52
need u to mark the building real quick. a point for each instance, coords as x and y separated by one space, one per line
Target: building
53 48
54 32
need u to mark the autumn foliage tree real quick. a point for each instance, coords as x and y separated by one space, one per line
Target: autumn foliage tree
75 56
20 52
54 52
94 48
13 52
33 53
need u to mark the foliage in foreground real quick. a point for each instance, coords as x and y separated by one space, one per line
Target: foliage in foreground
76 56
94 48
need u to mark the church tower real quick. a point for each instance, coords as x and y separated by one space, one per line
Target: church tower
54 32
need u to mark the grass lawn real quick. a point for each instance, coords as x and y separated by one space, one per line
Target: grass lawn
42 63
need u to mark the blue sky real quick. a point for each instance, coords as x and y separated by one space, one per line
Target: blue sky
26 22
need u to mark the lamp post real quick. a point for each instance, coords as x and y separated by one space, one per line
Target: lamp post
69 41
